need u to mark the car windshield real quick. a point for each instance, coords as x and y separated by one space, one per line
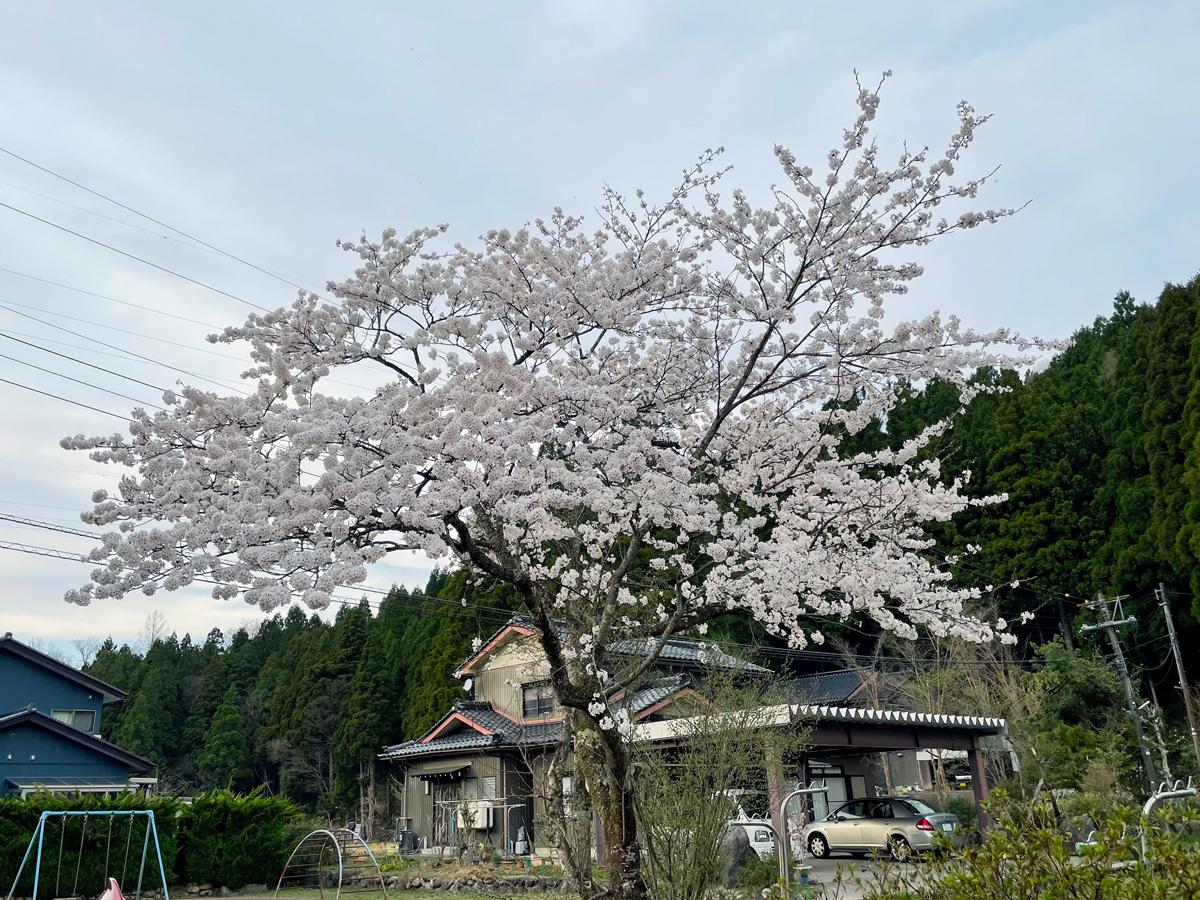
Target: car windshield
921 809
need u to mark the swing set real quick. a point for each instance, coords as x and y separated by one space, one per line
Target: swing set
38 840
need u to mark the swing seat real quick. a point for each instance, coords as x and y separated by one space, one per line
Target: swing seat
112 892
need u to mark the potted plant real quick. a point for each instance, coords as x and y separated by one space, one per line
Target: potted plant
496 860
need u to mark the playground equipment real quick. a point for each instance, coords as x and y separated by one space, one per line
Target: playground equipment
1176 791
38 840
337 858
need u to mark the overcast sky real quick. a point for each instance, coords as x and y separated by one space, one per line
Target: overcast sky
272 129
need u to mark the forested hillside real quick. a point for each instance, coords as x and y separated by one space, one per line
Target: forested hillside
302 704
1098 453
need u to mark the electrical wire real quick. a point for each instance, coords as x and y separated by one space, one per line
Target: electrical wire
450 606
39 505
86 384
65 400
129 353
452 609
146 262
99 215
81 362
13 462
148 309
7 304
116 352
148 218
47 526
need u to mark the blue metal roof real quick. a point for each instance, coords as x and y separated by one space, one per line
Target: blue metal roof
11 645
90 741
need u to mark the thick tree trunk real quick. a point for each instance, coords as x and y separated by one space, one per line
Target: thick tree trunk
603 755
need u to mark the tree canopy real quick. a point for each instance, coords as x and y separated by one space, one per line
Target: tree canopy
639 429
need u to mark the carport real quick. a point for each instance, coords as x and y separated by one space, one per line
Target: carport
847 730
843 729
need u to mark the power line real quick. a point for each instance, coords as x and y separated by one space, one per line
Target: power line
149 337
146 262
117 353
94 387
452 606
41 551
47 526
150 309
99 215
128 353
13 462
39 505
8 304
80 362
503 615
143 215
65 400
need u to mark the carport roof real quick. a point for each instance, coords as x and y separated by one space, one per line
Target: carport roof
978 724
848 726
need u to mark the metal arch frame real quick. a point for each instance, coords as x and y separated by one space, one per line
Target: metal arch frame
39 834
1165 791
337 837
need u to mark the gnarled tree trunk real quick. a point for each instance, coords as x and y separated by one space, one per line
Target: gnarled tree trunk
603 757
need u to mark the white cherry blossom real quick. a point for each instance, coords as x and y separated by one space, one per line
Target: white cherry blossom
635 421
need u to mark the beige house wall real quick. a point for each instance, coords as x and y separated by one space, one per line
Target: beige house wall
514 664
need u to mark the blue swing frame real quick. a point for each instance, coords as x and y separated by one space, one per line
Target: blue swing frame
39 834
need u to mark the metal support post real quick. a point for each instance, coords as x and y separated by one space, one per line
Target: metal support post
141 870
158 850
1183 682
37 832
1110 626
785 846
37 870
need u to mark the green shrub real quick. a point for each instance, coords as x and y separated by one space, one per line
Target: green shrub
230 840
759 872
1030 855
965 810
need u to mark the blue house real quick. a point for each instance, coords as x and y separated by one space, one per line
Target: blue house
50 729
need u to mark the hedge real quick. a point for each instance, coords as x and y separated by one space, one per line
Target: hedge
220 838
231 840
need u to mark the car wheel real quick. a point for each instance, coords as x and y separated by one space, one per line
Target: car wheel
900 849
818 846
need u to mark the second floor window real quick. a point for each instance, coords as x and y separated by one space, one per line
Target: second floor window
83 719
538 700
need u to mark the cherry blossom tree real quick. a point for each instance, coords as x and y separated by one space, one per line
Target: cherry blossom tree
637 427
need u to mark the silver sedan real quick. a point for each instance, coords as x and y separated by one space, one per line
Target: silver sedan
897 825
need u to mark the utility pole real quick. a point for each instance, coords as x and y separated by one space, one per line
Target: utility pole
1183 682
1110 625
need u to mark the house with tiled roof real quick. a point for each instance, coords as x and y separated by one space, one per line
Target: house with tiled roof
488 752
478 776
